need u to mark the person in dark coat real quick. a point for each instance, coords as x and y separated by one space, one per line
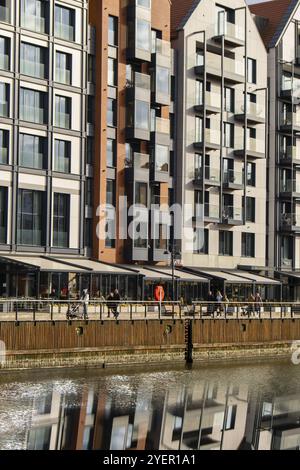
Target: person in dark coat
210 306
115 305
109 299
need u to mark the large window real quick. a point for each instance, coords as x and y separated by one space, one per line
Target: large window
33 106
5 11
4 99
111 112
64 23
62 158
33 60
225 243
63 112
250 209
63 67
286 251
162 80
161 240
30 217
162 157
141 190
33 15
110 153
112 31
144 3
4 53
112 72
199 93
143 35
251 70
3 215
229 99
251 175
110 214
201 241
248 245
61 220
33 151
142 115
228 135
199 129
4 146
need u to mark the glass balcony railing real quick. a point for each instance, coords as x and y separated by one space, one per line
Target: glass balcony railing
232 213
289 186
290 119
4 109
34 69
4 62
253 109
62 165
31 160
290 86
212 136
290 153
35 23
64 31
63 76
32 114
290 220
162 126
286 262
230 29
163 48
3 155
29 237
63 120
60 239
141 161
233 177
210 174
141 80
211 211
234 66
211 99
5 14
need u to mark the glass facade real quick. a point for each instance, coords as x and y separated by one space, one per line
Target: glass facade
30 217
33 106
142 115
33 15
162 156
33 60
61 220
64 23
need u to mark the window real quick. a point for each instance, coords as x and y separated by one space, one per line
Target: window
228 135
91 69
33 15
144 3
201 243
199 57
224 16
64 23
143 35
4 99
63 68
161 240
225 243
162 155
229 100
63 112
110 153
112 31
4 53
110 214
162 80
251 97
142 115
3 215
287 251
230 417
91 110
30 217
32 106
33 60
141 190
4 146
199 93
89 192
248 245
90 150
199 130
88 233
61 220
250 209
251 70
111 112
33 151
62 157
251 133
112 72
251 174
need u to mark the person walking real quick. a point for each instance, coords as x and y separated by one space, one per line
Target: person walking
116 298
109 303
210 305
258 303
219 299
85 298
225 304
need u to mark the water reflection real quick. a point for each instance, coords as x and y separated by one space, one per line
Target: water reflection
162 410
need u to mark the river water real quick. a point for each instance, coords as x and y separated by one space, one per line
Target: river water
248 405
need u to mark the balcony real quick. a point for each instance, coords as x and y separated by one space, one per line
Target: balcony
3 155
233 180
33 69
5 14
32 114
290 222
289 188
139 88
212 104
234 69
234 35
255 113
31 159
211 176
290 155
4 62
290 123
63 120
4 109
232 215
64 31
34 23
212 140
138 170
211 213
290 89
255 148
63 76
160 132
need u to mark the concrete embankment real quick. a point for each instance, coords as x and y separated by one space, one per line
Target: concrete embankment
99 344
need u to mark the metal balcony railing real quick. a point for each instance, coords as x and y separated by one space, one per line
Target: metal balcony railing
290 186
289 153
290 220
233 177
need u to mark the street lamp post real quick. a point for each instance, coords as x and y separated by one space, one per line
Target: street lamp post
174 253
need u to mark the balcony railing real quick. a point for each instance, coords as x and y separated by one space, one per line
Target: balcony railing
63 76
290 153
62 165
4 62
64 31
61 239
162 126
141 161
211 211
291 87
163 48
232 213
31 160
290 220
229 29
253 109
34 69
63 120
212 136
233 177
29 237
211 99
3 155
35 23
210 174
290 119
4 14
32 114
289 186
4 109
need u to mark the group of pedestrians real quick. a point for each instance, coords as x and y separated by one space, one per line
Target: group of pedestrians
220 303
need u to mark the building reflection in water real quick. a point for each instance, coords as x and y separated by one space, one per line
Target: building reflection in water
129 416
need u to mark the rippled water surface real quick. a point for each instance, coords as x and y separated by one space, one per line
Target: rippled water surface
228 406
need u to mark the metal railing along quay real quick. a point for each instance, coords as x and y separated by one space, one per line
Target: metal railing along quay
75 310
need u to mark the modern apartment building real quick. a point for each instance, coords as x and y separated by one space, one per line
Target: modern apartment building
278 22
221 98
133 147
44 130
